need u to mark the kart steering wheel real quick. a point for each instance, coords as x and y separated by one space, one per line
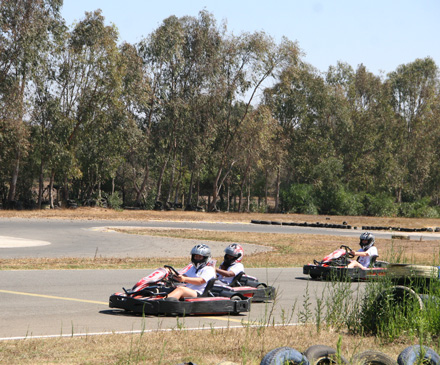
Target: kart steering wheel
173 270
347 250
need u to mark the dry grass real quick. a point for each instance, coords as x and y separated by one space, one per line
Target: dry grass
178 215
243 346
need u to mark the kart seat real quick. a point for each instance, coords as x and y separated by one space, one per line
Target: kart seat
373 260
236 280
208 288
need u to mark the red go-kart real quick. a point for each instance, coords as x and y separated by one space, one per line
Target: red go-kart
334 267
148 296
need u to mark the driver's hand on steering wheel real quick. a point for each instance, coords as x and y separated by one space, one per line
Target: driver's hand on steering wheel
179 278
353 253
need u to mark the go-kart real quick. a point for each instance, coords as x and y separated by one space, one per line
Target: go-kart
149 296
334 267
245 284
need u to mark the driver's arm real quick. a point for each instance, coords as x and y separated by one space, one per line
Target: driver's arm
359 253
190 280
225 273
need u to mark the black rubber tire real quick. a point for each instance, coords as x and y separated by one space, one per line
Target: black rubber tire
411 355
398 292
283 355
321 354
371 357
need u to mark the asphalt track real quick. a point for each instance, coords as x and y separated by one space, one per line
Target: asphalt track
74 302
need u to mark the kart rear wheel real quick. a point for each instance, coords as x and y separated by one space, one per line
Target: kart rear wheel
236 298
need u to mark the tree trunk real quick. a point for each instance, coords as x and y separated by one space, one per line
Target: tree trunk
141 189
52 177
190 191
14 177
277 189
40 185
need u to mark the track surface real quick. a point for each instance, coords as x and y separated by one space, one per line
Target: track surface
74 302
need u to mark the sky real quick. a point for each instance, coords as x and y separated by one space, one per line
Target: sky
380 34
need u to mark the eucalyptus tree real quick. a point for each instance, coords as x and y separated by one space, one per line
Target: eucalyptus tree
361 141
300 103
27 30
180 59
136 98
414 92
247 61
79 106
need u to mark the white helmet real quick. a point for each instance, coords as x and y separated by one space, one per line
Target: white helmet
202 250
234 250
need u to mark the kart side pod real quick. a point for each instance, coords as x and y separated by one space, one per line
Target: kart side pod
189 306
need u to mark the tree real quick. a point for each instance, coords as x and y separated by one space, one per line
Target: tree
28 28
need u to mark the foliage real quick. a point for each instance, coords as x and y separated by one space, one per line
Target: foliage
176 118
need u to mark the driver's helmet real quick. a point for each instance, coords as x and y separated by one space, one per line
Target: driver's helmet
202 250
366 240
234 250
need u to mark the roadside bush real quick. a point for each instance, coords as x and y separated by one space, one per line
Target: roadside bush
299 199
339 201
115 200
380 205
418 209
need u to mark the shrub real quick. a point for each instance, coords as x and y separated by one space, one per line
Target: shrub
418 209
299 199
380 205
115 200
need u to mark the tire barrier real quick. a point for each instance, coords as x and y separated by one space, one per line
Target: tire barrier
373 357
408 270
345 225
413 354
321 354
303 224
283 355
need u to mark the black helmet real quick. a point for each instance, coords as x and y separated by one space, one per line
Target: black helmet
366 240
202 250
234 250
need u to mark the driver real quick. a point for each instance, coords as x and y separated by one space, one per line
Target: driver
197 276
367 250
231 265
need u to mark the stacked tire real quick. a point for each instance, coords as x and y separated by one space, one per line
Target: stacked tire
323 355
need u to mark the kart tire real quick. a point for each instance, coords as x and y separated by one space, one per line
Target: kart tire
283 355
236 298
321 354
371 357
420 271
411 355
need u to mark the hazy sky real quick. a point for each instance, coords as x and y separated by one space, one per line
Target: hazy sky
381 34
